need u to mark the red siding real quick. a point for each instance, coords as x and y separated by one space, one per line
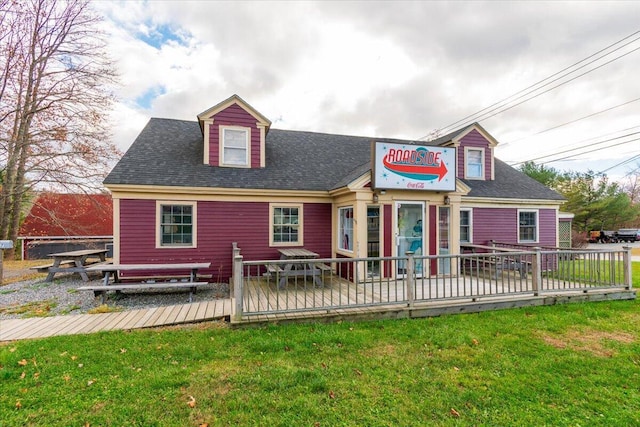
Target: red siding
234 115
219 224
476 140
547 224
502 225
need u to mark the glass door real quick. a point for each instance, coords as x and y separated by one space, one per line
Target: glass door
409 233
373 240
444 216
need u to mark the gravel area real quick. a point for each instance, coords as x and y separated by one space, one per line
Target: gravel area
62 297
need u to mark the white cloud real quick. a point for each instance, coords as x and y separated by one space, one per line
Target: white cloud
395 69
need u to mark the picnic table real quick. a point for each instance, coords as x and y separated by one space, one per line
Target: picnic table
498 259
295 268
73 262
151 280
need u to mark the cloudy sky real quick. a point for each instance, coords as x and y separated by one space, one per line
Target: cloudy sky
550 79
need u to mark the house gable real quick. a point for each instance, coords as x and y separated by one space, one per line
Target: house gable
234 134
475 147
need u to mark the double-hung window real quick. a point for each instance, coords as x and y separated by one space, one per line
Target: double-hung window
474 164
286 225
176 224
345 229
527 226
465 226
234 146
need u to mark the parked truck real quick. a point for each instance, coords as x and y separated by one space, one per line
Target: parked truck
610 236
627 235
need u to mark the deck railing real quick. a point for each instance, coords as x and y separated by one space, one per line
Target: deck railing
325 285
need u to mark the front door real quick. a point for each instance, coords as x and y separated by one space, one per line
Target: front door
409 233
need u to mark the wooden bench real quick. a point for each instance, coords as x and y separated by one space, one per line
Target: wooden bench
101 290
45 268
167 277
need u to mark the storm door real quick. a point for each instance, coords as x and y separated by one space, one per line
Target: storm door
409 233
444 240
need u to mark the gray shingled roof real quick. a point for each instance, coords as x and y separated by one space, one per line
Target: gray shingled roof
510 183
169 153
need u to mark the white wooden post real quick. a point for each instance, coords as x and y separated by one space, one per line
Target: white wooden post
628 282
4 244
410 278
237 282
536 274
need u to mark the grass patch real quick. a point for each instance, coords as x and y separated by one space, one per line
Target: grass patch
70 309
574 364
104 308
30 309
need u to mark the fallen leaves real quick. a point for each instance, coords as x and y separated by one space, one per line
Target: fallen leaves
192 402
454 413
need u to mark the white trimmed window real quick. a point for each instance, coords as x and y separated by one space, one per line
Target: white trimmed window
527 226
474 163
286 225
176 224
345 229
234 146
466 235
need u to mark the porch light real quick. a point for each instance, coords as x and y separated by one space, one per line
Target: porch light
447 200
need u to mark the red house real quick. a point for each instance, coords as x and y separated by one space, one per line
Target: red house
186 190
59 222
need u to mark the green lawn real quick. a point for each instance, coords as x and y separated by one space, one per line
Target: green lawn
576 364
566 365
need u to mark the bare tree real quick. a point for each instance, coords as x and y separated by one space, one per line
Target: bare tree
631 185
56 94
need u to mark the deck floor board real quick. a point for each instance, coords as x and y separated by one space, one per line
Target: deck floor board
41 327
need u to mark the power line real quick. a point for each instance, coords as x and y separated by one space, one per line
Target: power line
637 156
482 114
591 151
555 87
576 120
579 148
579 144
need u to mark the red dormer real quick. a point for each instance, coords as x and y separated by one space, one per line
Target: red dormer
234 134
475 148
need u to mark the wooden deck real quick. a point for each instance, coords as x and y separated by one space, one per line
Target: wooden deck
41 327
264 302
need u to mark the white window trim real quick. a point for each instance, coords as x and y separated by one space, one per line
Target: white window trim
194 225
353 231
470 210
537 237
247 131
300 241
482 163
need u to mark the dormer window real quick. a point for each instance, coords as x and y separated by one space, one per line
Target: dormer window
474 163
234 149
